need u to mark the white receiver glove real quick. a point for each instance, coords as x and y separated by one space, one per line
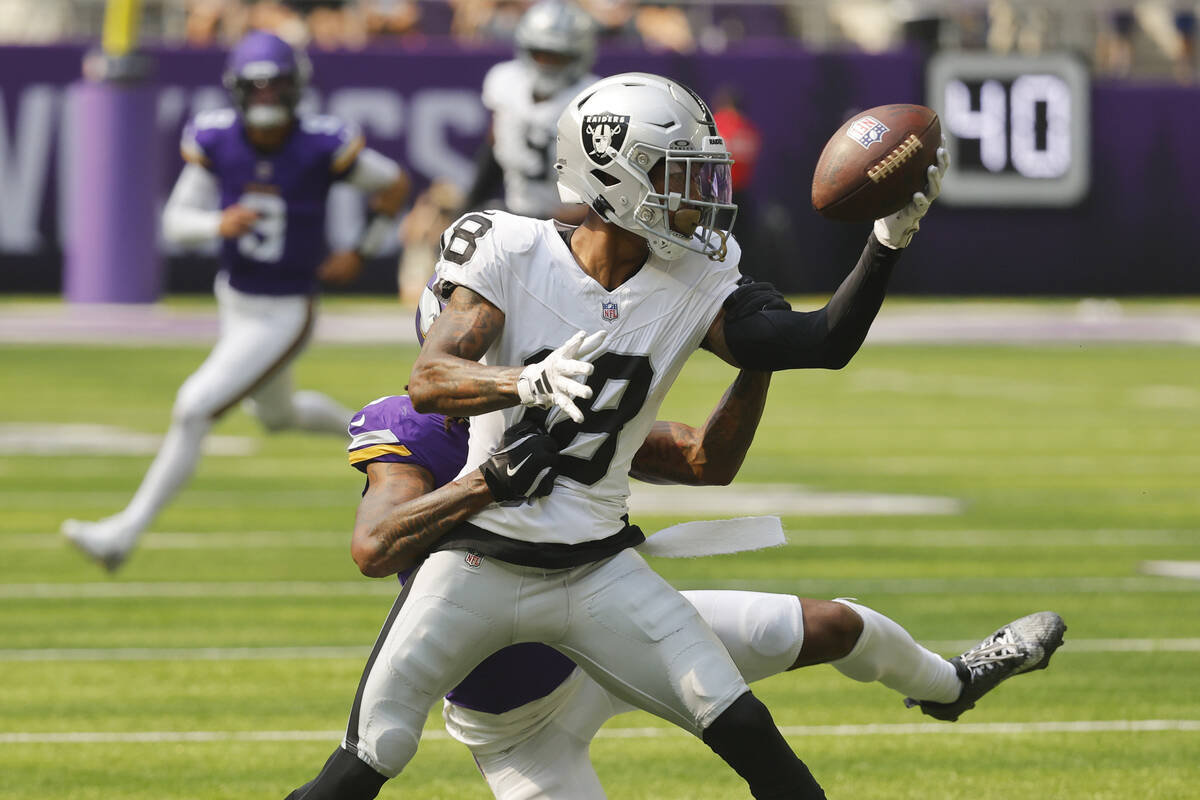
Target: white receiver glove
897 230
556 379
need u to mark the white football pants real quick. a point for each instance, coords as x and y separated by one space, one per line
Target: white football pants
539 751
634 634
259 337
543 755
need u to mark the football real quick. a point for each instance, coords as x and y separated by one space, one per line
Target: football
875 162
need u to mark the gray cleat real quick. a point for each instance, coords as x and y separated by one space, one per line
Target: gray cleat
1020 646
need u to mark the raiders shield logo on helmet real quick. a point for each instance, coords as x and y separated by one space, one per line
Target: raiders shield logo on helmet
602 132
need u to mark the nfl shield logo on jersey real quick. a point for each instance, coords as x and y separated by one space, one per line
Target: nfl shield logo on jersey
608 311
474 559
602 132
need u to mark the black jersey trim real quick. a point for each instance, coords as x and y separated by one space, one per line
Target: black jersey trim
548 555
352 725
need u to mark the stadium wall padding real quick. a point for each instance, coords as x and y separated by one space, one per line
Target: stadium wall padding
1136 232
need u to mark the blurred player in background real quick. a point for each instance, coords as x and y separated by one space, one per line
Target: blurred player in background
556 47
421 233
527 712
257 177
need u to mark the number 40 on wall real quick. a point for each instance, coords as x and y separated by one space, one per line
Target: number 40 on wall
1017 128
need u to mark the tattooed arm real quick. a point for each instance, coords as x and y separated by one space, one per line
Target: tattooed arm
678 453
399 518
447 377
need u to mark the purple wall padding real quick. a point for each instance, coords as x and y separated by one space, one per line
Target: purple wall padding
1136 231
111 253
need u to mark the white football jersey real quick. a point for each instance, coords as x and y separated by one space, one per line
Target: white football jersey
654 321
525 132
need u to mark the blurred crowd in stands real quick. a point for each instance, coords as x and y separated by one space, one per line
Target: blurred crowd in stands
1120 37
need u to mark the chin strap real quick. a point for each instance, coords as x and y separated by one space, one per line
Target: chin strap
722 251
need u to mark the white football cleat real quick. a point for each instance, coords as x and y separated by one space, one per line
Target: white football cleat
104 542
1020 646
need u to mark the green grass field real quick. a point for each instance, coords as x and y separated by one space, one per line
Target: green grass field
1074 464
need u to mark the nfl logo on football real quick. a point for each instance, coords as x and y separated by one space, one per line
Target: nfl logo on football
474 559
867 131
608 311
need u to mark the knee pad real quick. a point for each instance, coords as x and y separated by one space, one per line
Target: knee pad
391 735
774 629
193 407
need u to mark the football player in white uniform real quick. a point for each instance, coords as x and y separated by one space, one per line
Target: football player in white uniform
257 178
556 47
647 273
527 713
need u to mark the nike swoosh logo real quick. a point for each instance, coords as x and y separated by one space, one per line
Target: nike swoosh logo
359 421
514 470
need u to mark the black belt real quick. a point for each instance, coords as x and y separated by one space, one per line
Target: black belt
548 555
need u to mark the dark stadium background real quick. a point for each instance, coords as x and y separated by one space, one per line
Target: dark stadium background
1133 232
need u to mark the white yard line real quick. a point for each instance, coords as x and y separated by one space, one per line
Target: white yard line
71 440
316 652
53 654
1172 569
913 729
942 323
250 540
740 500
807 586
1050 585
1072 645
208 589
822 537
781 499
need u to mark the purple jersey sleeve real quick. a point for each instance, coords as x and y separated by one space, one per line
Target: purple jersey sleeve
389 429
203 134
340 141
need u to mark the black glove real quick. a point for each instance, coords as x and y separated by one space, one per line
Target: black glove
525 466
752 296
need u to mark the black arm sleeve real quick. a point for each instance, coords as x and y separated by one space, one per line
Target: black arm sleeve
827 338
489 178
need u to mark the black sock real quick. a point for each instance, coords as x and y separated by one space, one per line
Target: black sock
746 737
344 777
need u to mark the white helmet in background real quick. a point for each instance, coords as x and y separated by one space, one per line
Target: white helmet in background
614 134
565 32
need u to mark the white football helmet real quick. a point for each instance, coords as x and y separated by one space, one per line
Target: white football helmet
562 29
617 131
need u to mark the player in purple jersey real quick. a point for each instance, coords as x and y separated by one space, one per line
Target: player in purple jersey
257 177
527 712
